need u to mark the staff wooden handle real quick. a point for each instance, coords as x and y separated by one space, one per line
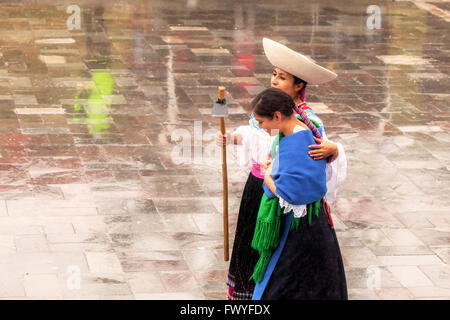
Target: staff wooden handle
221 93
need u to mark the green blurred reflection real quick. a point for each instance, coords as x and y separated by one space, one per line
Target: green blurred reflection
98 102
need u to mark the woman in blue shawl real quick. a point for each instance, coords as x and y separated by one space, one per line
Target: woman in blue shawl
294 236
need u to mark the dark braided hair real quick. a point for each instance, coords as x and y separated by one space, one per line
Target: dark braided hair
271 100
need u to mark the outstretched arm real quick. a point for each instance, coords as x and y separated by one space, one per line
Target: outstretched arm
228 138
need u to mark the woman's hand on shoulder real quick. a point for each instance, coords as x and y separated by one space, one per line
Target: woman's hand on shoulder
323 149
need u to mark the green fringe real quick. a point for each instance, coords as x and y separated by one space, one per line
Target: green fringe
317 207
261 266
309 213
295 224
268 224
267 235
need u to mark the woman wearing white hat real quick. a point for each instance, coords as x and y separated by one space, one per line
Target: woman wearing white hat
291 74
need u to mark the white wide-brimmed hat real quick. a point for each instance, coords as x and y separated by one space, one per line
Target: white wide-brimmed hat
295 63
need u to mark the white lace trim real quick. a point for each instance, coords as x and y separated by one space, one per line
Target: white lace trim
299 210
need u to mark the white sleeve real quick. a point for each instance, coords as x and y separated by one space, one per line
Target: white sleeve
255 146
242 149
336 174
324 134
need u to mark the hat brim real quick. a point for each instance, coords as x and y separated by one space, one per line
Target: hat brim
295 63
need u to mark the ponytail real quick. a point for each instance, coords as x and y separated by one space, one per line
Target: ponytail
302 96
308 122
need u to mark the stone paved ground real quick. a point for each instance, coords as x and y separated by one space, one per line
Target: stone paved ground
107 189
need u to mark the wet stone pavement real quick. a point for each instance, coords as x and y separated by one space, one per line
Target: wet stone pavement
110 185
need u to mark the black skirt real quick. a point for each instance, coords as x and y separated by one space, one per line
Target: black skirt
243 257
310 266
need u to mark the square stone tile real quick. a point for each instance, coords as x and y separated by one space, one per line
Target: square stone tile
402 237
400 250
95 286
39 111
55 41
402 59
52 59
372 277
320 108
433 236
7 244
180 223
20 82
364 210
17 226
24 99
362 294
202 259
94 224
3 211
410 276
173 39
188 28
153 241
209 223
423 292
440 275
11 286
185 205
31 243
179 281
443 253
395 294
370 237
211 275
358 257
103 262
410 260
416 220
48 208
43 285
145 282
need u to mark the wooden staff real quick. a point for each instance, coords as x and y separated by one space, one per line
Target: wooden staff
221 95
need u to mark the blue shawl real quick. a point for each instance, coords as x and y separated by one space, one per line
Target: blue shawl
299 179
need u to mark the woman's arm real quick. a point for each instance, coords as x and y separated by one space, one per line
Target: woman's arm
237 138
269 180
